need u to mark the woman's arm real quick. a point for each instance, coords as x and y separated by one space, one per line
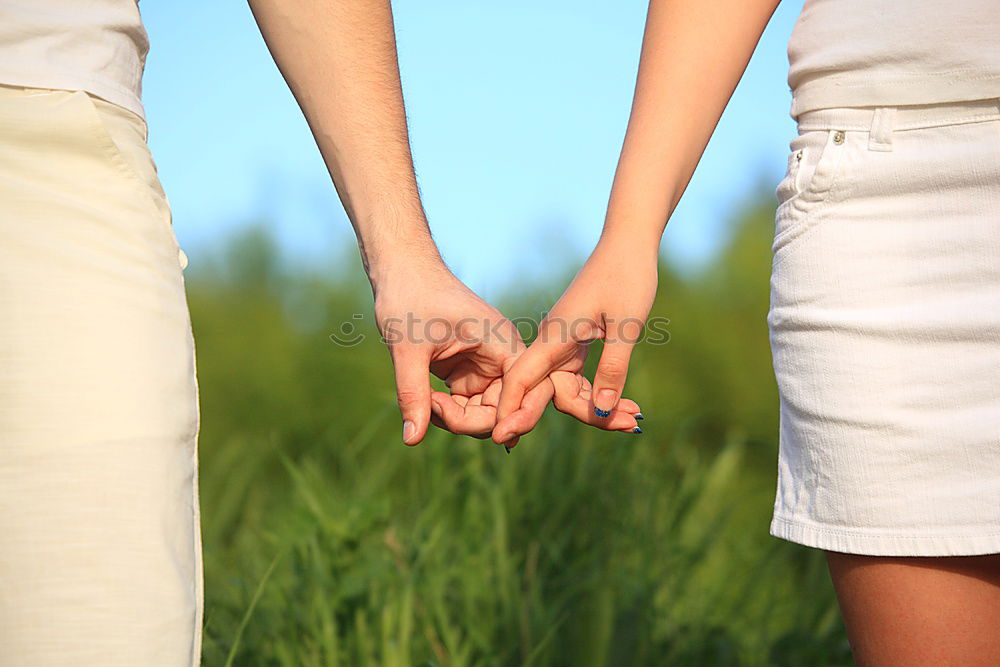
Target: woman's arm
693 55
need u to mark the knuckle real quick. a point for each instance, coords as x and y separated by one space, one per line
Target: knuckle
408 397
562 404
613 369
398 350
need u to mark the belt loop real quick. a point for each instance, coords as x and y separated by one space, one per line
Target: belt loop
880 135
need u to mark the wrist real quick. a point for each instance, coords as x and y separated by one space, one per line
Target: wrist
637 220
397 264
394 246
635 247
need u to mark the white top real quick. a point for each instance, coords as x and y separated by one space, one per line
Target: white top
894 52
98 46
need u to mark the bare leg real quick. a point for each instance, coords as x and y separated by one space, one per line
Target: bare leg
903 611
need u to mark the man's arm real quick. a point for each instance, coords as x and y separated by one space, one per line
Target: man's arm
339 60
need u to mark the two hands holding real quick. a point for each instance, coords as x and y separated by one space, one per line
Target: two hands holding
497 387
339 59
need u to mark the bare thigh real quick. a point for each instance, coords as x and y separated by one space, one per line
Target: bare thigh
903 611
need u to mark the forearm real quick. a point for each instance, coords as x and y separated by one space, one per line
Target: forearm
693 55
339 60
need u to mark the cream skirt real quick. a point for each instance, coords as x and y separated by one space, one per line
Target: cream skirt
100 553
885 331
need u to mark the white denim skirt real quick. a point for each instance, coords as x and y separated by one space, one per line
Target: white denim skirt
100 548
885 331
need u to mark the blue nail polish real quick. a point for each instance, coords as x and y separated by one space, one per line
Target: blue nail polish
507 448
639 416
601 413
637 430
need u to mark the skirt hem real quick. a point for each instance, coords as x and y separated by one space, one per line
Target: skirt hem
845 540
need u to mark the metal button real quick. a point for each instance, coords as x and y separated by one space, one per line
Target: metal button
838 137
798 156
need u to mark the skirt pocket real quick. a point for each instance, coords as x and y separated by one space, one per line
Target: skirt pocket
814 167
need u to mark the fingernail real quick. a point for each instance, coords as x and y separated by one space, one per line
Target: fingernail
605 397
507 448
409 430
637 430
639 416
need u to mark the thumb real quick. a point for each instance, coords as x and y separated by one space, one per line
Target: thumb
533 366
413 391
612 371
523 419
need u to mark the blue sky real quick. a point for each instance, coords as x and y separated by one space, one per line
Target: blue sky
517 112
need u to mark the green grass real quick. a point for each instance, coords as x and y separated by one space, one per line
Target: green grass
328 542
